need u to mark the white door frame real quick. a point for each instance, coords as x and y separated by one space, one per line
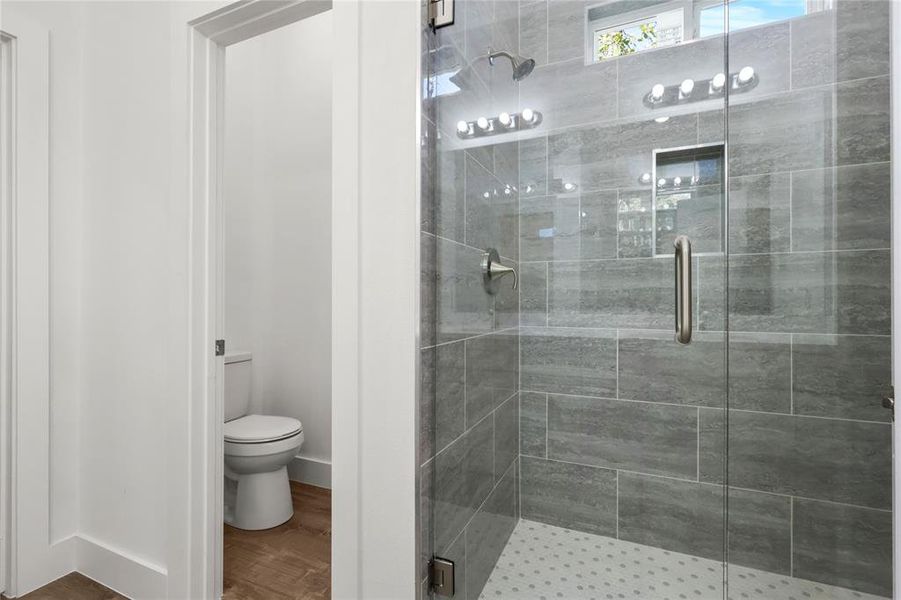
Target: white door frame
28 549
375 293
210 35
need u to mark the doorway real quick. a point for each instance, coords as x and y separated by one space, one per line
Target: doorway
248 199
276 194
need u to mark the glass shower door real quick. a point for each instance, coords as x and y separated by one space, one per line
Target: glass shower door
809 300
563 454
659 163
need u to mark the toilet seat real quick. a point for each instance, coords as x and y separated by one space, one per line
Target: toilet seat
261 429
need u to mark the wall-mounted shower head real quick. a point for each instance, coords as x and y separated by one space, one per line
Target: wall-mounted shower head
522 67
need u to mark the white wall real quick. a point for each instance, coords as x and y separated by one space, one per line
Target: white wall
277 193
119 295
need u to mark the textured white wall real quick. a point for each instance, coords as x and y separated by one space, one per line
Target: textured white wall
278 221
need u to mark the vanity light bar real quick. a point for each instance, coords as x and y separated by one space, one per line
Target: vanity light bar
503 123
690 90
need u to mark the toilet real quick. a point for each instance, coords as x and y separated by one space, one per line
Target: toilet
258 449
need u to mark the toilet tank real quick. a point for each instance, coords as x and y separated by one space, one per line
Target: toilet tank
237 384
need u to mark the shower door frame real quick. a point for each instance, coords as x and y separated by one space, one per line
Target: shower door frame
895 74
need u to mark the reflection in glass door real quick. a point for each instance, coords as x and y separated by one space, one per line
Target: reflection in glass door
571 446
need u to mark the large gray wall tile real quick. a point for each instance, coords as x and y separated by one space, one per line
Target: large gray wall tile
842 208
427 404
533 424
492 220
759 530
506 435
862 38
533 30
788 131
862 117
463 307
842 376
464 476
760 372
571 93
533 293
863 294
449 197
841 292
567 495
566 29
640 436
549 227
428 289
760 213
636 293
843 545
614 155
533 167
813 49
655 368
569 361
676 515
687 517
448 376
826 459
492 373
488 533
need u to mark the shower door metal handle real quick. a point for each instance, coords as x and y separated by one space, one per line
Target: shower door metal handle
683 289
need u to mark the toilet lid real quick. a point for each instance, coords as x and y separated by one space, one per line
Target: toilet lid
261 428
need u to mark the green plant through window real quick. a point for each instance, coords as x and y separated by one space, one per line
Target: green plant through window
625 41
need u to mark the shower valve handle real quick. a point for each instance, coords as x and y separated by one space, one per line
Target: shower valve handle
493 271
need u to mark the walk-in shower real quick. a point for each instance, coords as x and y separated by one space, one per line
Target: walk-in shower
571 447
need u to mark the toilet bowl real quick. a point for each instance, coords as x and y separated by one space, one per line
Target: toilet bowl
258 449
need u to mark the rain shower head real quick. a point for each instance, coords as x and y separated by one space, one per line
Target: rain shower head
522 67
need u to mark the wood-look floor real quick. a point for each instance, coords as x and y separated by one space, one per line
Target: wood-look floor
73 586
288 561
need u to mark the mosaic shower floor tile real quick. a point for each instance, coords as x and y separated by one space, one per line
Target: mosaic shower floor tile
543 562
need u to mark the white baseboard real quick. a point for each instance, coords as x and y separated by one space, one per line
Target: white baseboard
129 575
314 471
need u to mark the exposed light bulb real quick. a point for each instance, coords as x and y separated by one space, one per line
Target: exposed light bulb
482 122
677 181
528 115
661 182
462 127
486 195
529 188
569 186
657 91
507 190
745 75
646 178
661 119
504 119
686 87
718 81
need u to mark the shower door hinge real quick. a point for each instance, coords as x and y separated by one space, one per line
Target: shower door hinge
888 401
441 576
220 347
441 13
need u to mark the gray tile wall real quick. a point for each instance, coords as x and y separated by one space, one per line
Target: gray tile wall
469 409
621 429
